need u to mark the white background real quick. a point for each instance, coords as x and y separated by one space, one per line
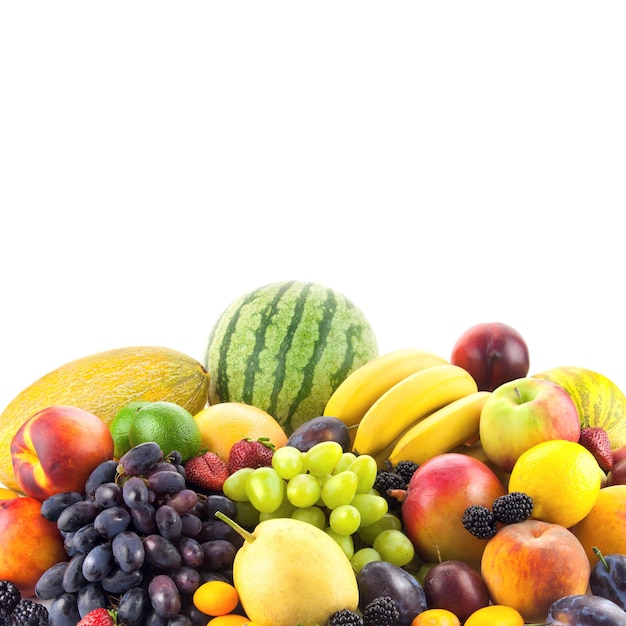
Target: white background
441 164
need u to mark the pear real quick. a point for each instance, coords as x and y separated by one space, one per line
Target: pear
290 572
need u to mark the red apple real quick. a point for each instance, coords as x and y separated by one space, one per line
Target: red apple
493 353
436 498
30 543
56 449
522 413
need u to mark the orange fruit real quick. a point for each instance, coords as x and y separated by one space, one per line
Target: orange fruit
216 597
561 477
436 617
231 619
495 615
604 525
221 425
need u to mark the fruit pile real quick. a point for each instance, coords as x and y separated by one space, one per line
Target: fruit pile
300 478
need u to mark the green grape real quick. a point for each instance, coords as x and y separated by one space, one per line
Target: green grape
371 507
345 461
284 510
247 516
234 486
339 489
395 547
322 458
287 461
345 519
345 542
312 515
363 556
367 534
265 489
366 469
303 490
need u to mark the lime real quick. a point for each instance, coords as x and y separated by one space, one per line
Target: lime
120 426
170 425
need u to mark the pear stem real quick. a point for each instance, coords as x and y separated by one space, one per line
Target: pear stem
248 536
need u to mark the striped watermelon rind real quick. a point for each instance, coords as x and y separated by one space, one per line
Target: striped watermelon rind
285 348
600 402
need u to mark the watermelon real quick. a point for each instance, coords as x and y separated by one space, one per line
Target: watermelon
285 347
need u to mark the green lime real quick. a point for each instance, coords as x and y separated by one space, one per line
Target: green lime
170 425
120 426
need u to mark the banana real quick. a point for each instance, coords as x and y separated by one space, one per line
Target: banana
356 394
409 401
441 431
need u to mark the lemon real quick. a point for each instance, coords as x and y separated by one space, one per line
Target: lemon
495 615
562 479
120 426
170 425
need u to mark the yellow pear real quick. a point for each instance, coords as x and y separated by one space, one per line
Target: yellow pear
289 572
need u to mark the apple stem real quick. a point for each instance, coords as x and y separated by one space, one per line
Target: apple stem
248 536
518 394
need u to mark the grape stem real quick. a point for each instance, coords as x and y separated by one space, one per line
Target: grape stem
248 536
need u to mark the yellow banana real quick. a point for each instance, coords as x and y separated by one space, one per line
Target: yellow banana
356 394
441 431
409 401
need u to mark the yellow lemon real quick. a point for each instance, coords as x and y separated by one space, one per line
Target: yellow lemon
495 615
436 617
562 479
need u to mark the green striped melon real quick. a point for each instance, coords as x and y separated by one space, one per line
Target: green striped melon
600 402
285 348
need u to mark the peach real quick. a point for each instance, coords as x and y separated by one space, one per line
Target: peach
437 496
531 564
604 525
56 449
30 543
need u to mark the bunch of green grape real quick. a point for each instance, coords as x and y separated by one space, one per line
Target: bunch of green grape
329 488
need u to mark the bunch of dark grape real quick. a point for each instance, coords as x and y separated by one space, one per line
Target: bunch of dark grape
139 541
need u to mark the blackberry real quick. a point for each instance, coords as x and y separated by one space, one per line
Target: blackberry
9 596
389 480
381 611
512 507
406 469
30 613
345 617
5 618
480 521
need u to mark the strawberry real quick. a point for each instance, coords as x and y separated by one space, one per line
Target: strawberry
250 453
208 471
596 440
99 617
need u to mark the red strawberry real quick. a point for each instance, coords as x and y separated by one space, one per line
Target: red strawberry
208 471
596 440
250 453
99 617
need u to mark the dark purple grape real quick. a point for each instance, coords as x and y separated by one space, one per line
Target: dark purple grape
218 554
90 597
103 473
117 581
110 522
98 562
218 502
133 606
168 522
77 515
63 611
139 459
85 538
68 543
187 579
164 596
154 619
183 501
50 583
162 553
55 504
128 550
143 519
207 576
179 620
213 529
108 495
73 578
191 524
191 551
164 466
197 617
135 492
166 483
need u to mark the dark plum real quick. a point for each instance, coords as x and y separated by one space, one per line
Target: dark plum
381 578
585 610
317 429
608 577
164 596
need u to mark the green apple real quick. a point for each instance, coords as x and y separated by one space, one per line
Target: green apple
522 413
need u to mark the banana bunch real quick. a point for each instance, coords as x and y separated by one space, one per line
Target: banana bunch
409 404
